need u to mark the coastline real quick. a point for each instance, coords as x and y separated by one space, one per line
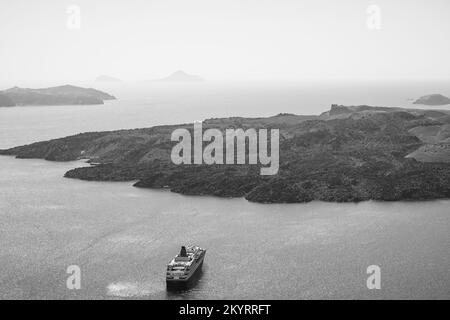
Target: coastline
348 154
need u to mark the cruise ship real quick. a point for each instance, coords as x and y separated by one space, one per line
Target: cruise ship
184 269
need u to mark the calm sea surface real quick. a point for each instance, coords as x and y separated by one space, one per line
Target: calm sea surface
122 237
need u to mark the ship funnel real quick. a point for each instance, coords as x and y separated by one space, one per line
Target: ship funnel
183 252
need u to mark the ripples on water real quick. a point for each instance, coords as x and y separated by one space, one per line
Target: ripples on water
122 237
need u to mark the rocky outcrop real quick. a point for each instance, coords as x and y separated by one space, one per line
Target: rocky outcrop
367 155
62 95
433 100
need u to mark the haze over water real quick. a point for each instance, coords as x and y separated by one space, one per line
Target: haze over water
146 104
122 237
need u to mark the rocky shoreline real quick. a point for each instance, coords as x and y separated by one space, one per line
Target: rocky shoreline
347 154
61 95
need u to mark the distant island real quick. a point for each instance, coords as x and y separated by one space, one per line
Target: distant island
6 101
347 154
433 100
105 78
180 76
61 95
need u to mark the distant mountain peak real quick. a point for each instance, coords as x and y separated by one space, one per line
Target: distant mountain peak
433 100
67 86
180 76
179 73
105 78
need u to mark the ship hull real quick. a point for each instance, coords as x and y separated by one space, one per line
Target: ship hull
190 281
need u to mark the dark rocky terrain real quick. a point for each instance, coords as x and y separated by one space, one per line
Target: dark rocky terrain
433 100
346 154
62 95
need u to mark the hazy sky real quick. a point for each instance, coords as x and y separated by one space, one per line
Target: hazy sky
220 40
